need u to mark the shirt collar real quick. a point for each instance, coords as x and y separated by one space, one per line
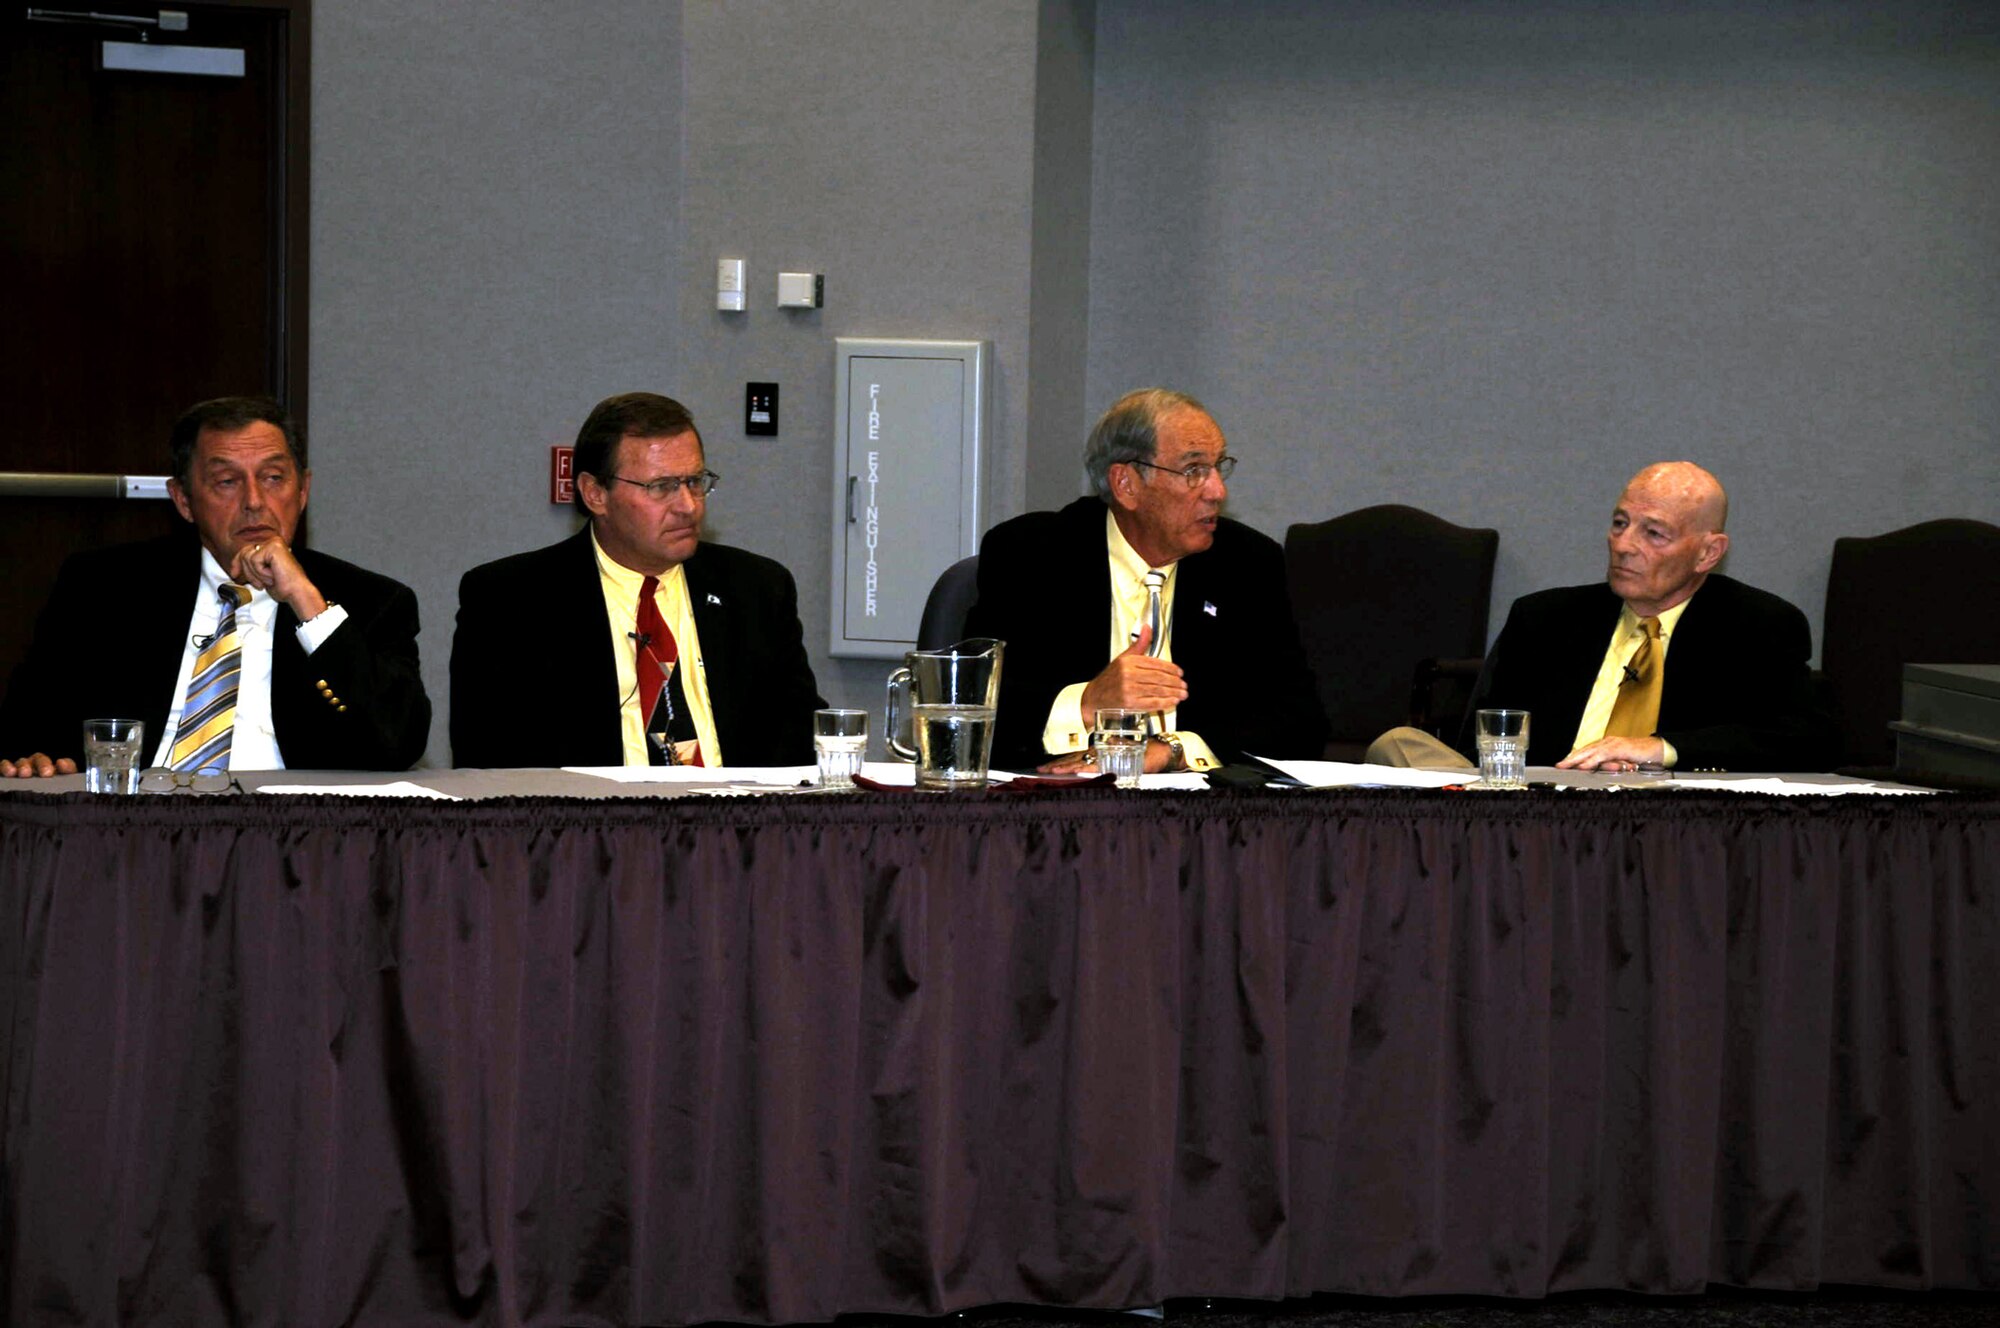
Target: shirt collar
1628 621
623 580
213 578
1124 558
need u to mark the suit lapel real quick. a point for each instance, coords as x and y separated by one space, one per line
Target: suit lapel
288 657
706 595
1689 654
1584 655
166 610
709 597
1200 605
578 620
1090 607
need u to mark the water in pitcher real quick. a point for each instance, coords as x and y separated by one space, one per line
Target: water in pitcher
954 743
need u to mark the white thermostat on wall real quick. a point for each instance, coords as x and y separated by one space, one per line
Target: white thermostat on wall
729 285
908 440
801 290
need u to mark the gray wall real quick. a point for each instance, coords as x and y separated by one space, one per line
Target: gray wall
1489 259
493 231
893 152
1059 287
1483 258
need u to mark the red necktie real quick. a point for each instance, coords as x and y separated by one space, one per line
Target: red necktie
657 654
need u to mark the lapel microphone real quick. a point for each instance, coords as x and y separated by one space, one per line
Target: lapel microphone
644 640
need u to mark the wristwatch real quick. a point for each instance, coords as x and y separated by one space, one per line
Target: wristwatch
1179 759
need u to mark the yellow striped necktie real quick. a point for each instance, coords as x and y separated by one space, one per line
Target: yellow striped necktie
208 719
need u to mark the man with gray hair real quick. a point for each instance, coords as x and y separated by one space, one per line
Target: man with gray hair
1144 596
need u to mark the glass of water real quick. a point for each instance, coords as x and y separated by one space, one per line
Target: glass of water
1503 749
1119 740
840 738
111 755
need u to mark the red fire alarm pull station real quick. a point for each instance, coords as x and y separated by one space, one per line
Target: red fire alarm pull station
562 474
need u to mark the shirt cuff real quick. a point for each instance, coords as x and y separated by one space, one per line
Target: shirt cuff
1065 730
312 635
1199 755
1669 757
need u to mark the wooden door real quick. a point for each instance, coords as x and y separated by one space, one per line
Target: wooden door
153 250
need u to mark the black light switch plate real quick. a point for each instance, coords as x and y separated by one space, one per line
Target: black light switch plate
760 410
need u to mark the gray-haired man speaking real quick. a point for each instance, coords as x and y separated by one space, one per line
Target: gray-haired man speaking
1074 592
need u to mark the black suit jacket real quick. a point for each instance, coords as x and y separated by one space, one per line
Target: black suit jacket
110 642
534 682
1045 589
1737 693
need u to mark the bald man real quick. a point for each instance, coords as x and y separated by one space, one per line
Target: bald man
1667 662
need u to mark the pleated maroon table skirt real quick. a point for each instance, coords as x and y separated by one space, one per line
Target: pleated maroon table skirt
325 1060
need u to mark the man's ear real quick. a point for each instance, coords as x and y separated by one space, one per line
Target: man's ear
593 494
1122 481
179 495
1713 546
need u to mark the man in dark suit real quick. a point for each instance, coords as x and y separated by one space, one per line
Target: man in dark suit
1665 663
324 673
1069 593
632 641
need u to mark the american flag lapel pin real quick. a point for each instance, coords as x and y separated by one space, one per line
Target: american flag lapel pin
713 600
1208 608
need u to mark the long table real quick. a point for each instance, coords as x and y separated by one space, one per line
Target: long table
568 1058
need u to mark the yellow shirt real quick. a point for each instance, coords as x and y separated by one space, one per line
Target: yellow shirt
621 587
1625 640
1068 728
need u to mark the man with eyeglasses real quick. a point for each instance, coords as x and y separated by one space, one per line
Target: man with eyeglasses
1144 596
632 642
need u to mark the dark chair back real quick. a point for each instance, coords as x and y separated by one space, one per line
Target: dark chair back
1921 595
943 623
1380 594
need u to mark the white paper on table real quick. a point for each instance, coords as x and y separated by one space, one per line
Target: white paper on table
401 788
769 776
1353 774
1178 779
903 774
1790 788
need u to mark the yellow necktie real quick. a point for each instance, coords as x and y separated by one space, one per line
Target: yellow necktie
208 720
1636 712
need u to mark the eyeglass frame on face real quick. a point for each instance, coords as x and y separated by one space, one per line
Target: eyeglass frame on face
662 487
1196 473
